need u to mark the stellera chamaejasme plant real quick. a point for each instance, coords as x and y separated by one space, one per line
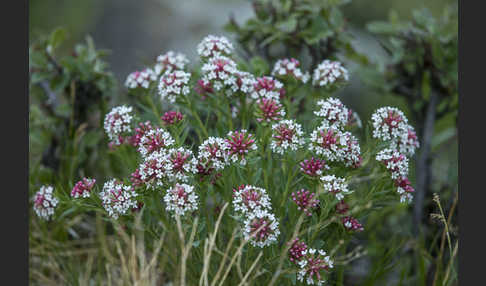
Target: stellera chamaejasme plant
216 134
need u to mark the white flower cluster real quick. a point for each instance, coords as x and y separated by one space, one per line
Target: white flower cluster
260 224
389 124
267 87
181 199
117 122
289 68
335 185
213 46
249 200
406 143
154 140
395 162
333 112
156 169
174 84
286 134
335 145
170 61
140 78
221 73
314 261
213 153
183 164
45 203
329 72
117 198
245 82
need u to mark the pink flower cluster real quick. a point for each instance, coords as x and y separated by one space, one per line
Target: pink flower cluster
118 123
172 117
117 198
154 140
140 79
267 87
240 144
45 202
83 188
173 85
311 262
286 134
296 250
269 110
305 201
170 61
351 223
181 199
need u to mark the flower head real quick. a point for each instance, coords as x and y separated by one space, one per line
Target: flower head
173 85
250 199
311 265
296 250
269 110
183 164
140 79
329 72
117 198
305 201
286 134
335 185
170 61
389 123
143 127
118 122
155 170
240 144
333 112
336 145
181 199
213 46
245 82
267 87
395 162
213 153
172 117
220 73
83 188
404 189
289 68
261 229
203 87
154 140
351 223
45 203
407 142
313 166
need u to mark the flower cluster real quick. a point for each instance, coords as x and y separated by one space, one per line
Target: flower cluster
173 85
269 110
45 203
289 68
183 164
245 82
181 199
260 224
351 223
329 72
203 88
170 61
140 78
117 198
333 112
335 185
296 250
118 122
404 189
172 117
154 140
83 188
313 166
287 134
221 73
406 143
267 87
336 145
240 143
395 162
140 131
389 124
154 171
213 46
305 201
311 264
213 154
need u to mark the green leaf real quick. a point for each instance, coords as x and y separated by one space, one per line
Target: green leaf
288 26
57 37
